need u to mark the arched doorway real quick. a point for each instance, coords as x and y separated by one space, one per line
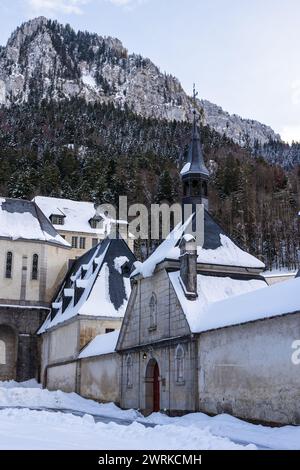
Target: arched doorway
152 392
8 353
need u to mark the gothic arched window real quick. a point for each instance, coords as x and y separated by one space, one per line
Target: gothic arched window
186 189
129 372
35 267
153 311
204 189
196 187
8 269
179 364
2 352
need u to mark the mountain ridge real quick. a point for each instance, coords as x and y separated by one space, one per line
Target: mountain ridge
45 60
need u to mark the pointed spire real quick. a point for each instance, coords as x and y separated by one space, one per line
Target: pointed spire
195 155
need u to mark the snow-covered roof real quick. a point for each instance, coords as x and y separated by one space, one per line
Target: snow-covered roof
224 302
96 285
218 249
77 215
23 220
101 344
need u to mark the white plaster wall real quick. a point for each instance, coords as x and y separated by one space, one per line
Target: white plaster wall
271 280
56 269
77 252
247 371
52 261
64 342
100 378
62 377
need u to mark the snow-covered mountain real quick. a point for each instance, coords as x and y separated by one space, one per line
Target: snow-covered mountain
46 60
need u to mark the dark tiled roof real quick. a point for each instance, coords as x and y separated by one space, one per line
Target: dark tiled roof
82 269
45 231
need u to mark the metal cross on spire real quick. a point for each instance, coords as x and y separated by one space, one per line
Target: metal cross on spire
195 94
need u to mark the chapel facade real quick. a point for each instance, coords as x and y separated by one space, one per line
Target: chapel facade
159 338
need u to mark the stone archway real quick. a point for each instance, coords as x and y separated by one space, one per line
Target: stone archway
152 383
8 353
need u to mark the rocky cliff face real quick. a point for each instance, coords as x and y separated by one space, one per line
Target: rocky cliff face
44 60
245 132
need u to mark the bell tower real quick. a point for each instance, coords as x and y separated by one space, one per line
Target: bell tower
195 175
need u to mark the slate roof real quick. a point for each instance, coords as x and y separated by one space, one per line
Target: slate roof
218 249
97 284
195 161
23 220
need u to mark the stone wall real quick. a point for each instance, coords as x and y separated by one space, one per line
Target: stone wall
18 327
176 397
247 371
9 348
142 345
171 321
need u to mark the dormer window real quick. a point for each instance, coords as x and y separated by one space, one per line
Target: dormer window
126 268
95 222
57 219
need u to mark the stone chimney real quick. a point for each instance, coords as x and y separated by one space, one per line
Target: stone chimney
188 266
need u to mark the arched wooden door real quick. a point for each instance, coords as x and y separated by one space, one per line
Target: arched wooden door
156 390
152 391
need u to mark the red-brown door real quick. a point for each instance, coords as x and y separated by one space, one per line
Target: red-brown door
156 392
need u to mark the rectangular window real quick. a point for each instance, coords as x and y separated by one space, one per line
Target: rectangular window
57 220
94 242
74 242
8 270
82 243
109 330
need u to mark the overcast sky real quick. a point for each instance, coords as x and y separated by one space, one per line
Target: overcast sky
243 54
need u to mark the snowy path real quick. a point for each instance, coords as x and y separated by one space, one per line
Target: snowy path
26 429
123 422
97 418
27 412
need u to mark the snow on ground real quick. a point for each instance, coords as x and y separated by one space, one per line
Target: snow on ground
41 430
89 80
30 429
278 438
37 397
32 383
